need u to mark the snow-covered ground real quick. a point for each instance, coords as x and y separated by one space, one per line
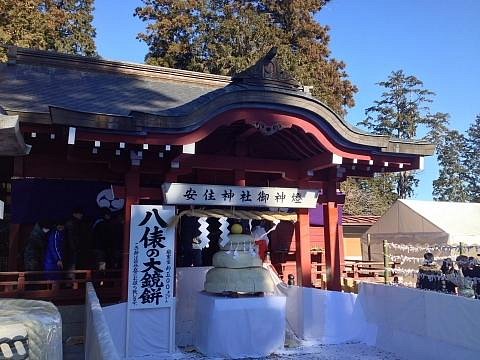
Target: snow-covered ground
350 351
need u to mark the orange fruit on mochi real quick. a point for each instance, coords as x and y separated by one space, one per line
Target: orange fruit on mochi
236 229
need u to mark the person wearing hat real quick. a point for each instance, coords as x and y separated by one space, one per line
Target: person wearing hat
464 283
429 274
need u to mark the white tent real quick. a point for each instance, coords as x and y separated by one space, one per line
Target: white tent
416 222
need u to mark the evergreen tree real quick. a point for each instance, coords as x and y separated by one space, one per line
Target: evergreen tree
403 107
451 185
226 36
368 196
472 160
59 25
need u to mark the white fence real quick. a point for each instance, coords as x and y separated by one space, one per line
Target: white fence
412 323
98 342
420 324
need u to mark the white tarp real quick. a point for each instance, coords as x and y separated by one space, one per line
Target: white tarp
417 222
326 317
98 339
190 282
414 324
149 330
30 329
239 327
420 324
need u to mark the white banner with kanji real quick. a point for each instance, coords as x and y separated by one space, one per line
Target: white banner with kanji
151 261
225 195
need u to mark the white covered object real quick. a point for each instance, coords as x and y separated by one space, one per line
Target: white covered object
419 324
417 222
98 338
42 323
148 330
327 317
239 327
190 282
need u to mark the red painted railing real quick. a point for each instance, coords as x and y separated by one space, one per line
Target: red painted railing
61 287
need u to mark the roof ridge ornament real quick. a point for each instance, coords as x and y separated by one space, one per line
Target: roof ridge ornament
268 72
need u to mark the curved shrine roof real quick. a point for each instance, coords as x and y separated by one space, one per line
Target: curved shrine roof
47 87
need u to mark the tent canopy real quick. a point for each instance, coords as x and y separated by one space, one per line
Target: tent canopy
419 222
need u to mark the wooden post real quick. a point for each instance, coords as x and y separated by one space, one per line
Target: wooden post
333 252
240 177
369 250
13 239
302 253
14 231
132 197
21 283
385 262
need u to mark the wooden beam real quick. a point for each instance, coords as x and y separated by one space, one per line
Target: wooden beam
288 168
318 162
147 193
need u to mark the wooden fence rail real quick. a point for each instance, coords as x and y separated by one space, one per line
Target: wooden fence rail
61 287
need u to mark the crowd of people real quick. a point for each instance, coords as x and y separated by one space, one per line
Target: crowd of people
461 277
75 243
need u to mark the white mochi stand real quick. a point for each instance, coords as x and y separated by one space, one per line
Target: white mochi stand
239 327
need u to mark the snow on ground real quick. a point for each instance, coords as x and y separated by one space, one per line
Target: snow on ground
350 351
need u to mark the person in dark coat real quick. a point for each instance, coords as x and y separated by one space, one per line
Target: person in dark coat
429 274
475 274
76 241
448 271
36 244
103 236
55 252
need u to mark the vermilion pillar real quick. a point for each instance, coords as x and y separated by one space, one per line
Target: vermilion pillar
302 245
333 246
132 197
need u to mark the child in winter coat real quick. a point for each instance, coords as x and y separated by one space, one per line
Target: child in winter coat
54 255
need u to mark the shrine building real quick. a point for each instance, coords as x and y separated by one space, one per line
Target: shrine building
72 125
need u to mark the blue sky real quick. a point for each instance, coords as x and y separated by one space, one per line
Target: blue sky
438 41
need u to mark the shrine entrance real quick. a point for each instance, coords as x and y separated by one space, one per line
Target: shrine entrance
258 129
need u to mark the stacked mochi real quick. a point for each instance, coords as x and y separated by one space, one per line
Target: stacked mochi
238 267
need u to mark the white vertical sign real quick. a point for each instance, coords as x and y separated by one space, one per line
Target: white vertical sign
151 263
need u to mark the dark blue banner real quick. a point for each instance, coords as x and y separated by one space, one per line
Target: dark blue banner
37 199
